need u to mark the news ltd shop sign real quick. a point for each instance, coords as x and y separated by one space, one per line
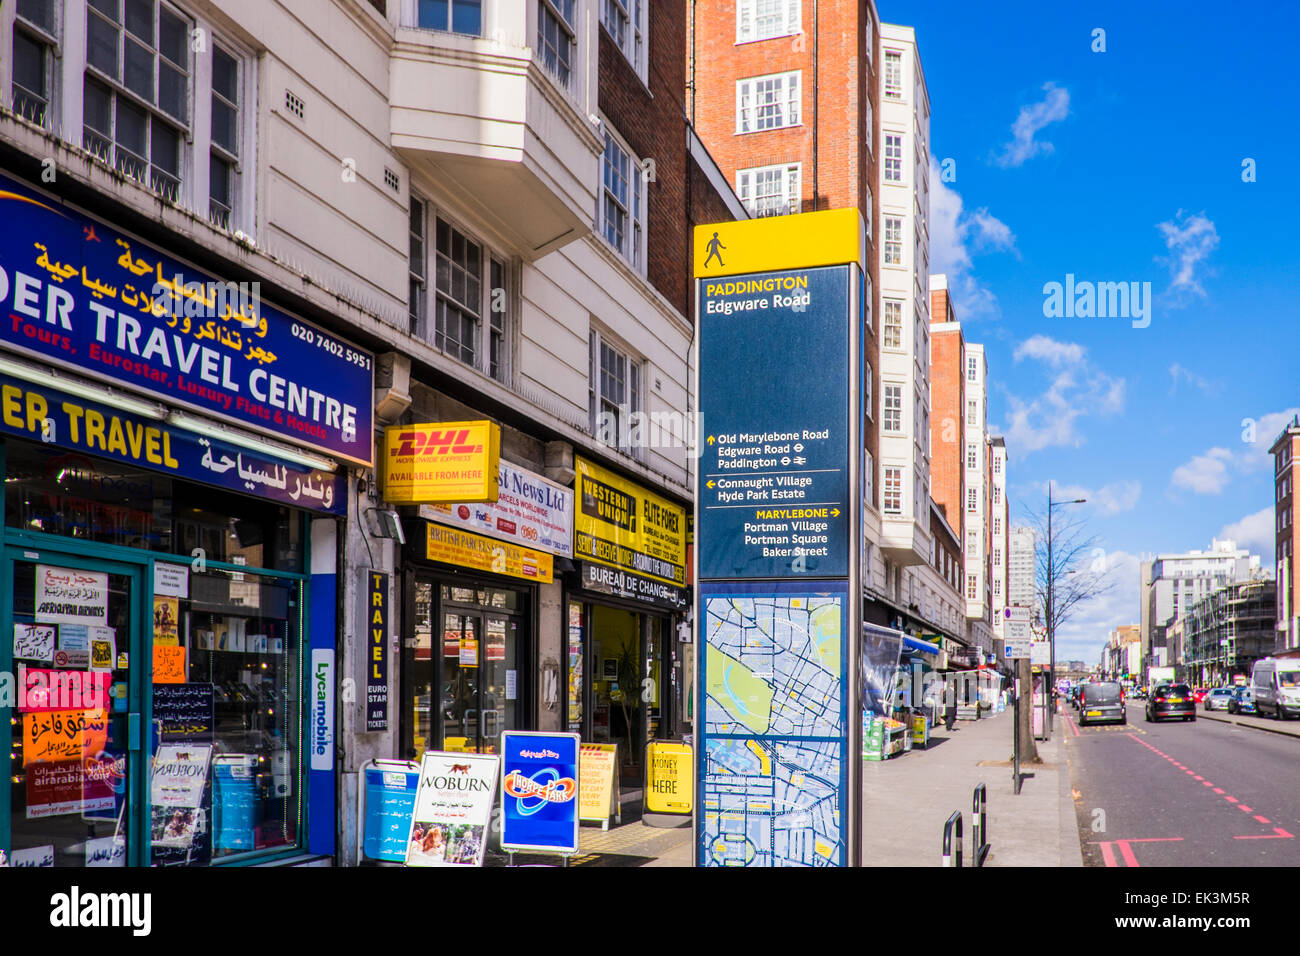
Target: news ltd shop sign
440 462
530 511
539 791
453 809
77 293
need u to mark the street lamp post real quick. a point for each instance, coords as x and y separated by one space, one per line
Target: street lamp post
1050 689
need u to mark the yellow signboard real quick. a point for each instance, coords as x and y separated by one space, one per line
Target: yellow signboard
778 243
468 550
441 461
670 778
597 764
622 525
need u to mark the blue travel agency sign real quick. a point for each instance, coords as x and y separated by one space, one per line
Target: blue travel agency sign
86 428
774 469
79 294
539 791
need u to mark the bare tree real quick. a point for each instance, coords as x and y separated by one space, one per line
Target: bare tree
1075 566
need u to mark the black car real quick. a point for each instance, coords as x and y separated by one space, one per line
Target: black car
1171 700
1101 701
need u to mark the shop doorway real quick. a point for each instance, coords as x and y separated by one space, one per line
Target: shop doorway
78 767
461 672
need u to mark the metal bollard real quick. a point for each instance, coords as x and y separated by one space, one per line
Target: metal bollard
947 840
979 825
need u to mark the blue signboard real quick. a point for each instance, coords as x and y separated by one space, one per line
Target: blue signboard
79 294
773 487
390 800
539 791
85 427
235 804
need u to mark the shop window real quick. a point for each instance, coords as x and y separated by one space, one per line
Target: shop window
240 635
92 499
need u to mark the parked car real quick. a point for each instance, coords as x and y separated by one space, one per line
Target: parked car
1242 701
1275 683
1171 700
1199 694
1219 698
1138 693
1102 701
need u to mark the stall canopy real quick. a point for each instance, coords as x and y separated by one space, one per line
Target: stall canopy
916 644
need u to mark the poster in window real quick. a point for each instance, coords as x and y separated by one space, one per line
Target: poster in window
166 616
71 595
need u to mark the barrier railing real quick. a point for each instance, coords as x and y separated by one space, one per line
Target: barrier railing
979 825
948 853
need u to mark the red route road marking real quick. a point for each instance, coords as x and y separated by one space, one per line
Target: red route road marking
1280 835
1262 819
1242 806
1126 851
1231 799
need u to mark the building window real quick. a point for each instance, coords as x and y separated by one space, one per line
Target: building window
614 393
868 479
972 500
893 491
224 155
972 587
557 36
867 383
893 157
622 207
35 47
972 544
893 75
972 413
625 22
418 251
764 19
767 102
997 495
997 465
972 455
893 324
770 190
997 588
461 299
972 369
893 241
869 121
137 90
456 16
892 409
997 525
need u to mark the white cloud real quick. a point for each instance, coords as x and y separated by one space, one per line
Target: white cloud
1205 474
1051 351
1111 499
1256 532
1033 118
1190 240
1089 626
1077 389
955 235
1210 472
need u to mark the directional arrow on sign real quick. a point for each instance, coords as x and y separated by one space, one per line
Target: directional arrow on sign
835 512
709 483
710 439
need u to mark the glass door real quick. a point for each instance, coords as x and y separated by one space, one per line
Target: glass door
463 717
78 763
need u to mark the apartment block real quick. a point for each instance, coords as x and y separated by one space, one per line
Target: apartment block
1285 450
999 534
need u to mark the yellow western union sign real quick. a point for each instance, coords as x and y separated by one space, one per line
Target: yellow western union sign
775 243
442 461
468 550
618 523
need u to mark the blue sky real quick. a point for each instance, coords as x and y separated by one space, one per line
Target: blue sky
1124 165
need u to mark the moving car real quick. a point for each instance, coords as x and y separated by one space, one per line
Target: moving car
1171 700
1199 694
1101 701
1242 702
1219 698
1275 682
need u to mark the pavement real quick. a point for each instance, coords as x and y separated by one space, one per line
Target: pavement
906 801
1287 728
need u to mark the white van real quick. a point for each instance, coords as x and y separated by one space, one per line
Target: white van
1276 685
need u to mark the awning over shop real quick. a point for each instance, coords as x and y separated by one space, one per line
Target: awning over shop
915 644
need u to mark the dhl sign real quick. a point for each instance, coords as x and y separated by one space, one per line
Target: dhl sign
441 461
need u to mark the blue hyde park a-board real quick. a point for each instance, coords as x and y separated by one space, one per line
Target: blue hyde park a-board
778 512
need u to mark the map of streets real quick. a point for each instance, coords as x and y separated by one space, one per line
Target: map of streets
773 728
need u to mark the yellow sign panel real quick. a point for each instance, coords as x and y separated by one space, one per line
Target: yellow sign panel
776 243
596 787
441 461
670 778
622 525
487 554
